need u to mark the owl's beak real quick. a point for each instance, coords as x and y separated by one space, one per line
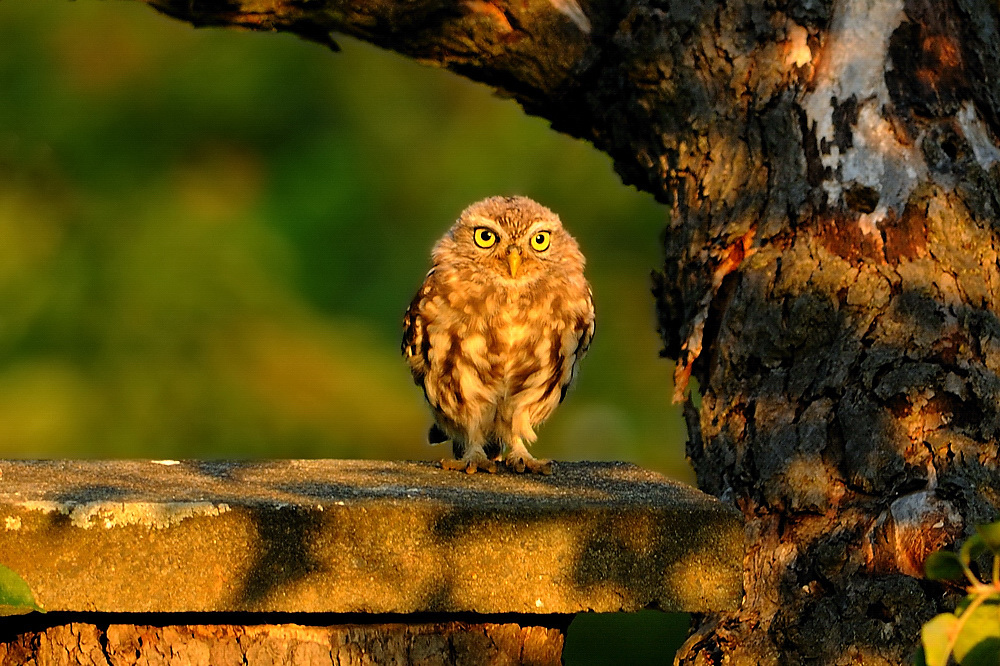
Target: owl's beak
513 259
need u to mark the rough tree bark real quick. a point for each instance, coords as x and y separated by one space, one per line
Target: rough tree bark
130 644
830 276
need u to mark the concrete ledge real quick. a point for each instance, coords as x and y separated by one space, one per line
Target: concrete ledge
364 536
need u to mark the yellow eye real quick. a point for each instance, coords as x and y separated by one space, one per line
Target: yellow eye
484 237
540 241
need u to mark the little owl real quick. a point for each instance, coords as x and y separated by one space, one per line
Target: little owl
494 334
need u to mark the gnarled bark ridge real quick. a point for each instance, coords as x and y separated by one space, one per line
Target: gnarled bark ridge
831 274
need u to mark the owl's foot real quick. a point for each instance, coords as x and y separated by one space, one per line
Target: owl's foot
470 464
522 461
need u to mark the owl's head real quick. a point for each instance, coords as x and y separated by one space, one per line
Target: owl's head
511 238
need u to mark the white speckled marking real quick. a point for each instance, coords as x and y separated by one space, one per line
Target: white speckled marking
978 136
854 63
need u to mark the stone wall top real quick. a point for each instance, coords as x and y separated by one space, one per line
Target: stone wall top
351 536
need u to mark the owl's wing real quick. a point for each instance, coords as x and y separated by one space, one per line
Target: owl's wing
586 327
416 342
584 331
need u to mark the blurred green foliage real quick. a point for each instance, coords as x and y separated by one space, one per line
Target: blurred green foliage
971 635
648 637
16 597
208 239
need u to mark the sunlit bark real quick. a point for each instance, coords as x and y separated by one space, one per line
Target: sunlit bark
830 277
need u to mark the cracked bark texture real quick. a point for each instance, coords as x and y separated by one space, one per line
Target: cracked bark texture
85 644
830 272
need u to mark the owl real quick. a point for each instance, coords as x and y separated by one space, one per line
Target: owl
495 332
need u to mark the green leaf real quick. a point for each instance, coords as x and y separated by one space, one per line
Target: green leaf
935 636
978 642
943 565
973 547
15 595
990 534
984 653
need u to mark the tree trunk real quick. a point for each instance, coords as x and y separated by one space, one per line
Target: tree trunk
831 273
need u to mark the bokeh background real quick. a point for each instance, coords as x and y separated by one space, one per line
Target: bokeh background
208 239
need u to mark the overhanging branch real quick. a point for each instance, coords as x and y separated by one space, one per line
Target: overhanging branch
530 49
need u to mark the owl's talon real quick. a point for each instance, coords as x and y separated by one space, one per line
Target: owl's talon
469 466
531 465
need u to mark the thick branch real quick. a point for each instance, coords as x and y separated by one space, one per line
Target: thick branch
531 49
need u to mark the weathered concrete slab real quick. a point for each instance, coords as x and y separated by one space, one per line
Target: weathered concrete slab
363 536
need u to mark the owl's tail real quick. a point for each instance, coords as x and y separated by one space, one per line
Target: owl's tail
436 436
